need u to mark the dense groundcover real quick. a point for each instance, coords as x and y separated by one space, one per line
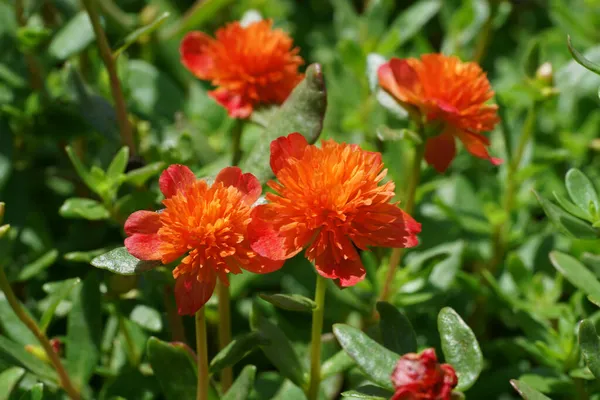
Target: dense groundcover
299 199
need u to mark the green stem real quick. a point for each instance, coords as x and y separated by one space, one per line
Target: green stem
115 85
315 346
65 381
224 331
201 356
236 141
409 205
35 70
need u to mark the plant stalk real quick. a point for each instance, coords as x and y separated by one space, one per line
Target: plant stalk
201 356
409 205
35 69
115 86
224 331
65 381
315 346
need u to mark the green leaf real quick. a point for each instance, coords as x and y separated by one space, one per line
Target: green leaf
139 176
581 60
278 349
373 359
175 369
526 391
30 38
290 302
34 268
532 58
84 256
8 380
118 164
146 317
72 38
144 30
236 350
119 261
84 328
336 364
368 392
566 223
590 346
460 347
302 112
576 273
243 385
77 207
199 15
35 393
81 170
12 326
61 292
571 208
15 354
6 151
408 24
582 191
396 330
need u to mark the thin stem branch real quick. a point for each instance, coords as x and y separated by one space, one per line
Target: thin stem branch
35 70
224 330
409 204
65 381
201 356
315 346
115 85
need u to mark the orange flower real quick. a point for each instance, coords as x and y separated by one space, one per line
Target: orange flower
250 65
205 224
420 377
445 90
328 199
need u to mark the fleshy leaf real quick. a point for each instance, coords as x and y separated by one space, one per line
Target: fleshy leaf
119 261
290 302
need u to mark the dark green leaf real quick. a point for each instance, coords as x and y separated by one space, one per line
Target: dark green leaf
408 24
8 380
84 327
198 16
396 330
373 359
566 223
73 37
84 256
460 348
119 261
35 393
582 191
32 269
139 176
6 151
56 296
236 350
146 317
12 325
302 112
532 59
527 392
16 354
590 346
290 302
175 369
279 349
241 388
144 30
89 209
581 60
576 273
368 392
336 364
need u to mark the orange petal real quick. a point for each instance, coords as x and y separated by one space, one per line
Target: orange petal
191 294
195 54
245 183
385 225
282 148
259 264
176 177
400 79
476 144
142 222
144 246
268 239
440 151
349 271
236 105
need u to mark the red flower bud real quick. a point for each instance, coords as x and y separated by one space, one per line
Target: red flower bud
421 377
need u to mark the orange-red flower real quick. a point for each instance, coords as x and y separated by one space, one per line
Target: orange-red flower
329 200
420 377
249 65
206 225
446 90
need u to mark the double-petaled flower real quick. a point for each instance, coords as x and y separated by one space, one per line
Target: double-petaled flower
442 89
330 201
250 65
204 226
421 377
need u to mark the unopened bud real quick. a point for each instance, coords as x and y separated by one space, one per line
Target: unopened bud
37 352
2 207
545 73
3 230
148 14
56 345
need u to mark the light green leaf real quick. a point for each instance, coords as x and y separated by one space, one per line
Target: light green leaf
12 326
16 354
35 393
243 385
118 164
576 273
373 359
336 364
144 30
146 317
139 176
582 191
590 346
119 261
526 391
290 302
32 269
81 170
368 392
73 37
77 207
61 292
8 380
580 58
571 208
460 348
566 223
396 330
